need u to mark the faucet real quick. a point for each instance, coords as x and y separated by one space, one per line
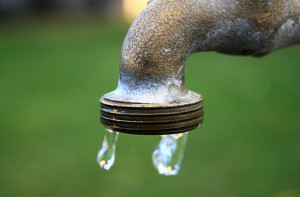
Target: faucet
151 97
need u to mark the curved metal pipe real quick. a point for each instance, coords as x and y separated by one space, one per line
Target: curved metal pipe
162 38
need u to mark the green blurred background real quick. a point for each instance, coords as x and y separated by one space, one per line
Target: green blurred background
52 74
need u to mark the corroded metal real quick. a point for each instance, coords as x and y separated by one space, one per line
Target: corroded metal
151 97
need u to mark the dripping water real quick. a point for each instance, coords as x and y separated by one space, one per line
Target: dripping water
106 155
168 154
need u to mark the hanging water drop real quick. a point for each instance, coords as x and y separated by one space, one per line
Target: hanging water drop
168 154
106 155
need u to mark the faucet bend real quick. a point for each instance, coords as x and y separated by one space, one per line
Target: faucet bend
165 34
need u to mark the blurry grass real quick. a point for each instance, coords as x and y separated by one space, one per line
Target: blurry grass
52 75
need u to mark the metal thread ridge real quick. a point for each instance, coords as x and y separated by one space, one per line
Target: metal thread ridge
151 119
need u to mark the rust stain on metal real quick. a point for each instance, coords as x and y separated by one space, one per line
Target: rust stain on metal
263 17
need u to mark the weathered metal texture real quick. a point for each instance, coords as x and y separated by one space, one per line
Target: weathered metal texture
165 34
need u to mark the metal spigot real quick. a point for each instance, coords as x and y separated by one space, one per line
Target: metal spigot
151 98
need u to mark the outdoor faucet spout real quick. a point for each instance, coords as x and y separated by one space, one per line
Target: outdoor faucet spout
151 97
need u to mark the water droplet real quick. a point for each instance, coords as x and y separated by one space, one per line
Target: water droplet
168 154
106 155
